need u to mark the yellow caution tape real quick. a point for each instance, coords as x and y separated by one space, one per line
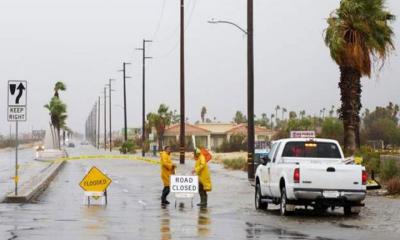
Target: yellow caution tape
109 157
16 178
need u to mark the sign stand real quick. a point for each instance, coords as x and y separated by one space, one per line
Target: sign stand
97 195
16 158
16 112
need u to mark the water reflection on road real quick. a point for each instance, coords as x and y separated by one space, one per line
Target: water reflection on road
165 224
190 227
204 222
95 222
134 212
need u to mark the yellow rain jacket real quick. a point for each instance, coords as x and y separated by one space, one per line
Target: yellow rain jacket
167 168
202 171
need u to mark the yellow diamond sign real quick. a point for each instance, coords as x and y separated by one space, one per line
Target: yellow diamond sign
95 181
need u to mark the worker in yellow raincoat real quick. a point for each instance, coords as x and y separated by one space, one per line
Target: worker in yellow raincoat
201 170
167 169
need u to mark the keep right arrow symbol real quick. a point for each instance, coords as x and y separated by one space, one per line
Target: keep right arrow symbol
21 89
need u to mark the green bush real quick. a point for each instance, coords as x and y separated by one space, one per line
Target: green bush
388 170
371 159
236 143
128 147
235 163
373 164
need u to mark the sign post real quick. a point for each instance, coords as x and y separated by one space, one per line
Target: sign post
16 111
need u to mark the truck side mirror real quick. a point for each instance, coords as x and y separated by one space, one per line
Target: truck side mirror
265 160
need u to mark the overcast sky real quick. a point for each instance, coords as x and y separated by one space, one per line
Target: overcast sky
84 42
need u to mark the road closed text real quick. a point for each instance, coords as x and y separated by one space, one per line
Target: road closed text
184 184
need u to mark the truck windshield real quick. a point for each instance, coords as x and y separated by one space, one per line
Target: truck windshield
311 150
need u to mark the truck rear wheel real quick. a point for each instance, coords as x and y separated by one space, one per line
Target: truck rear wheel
258 198
349 210
283 205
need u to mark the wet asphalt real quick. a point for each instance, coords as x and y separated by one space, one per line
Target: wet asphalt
134 210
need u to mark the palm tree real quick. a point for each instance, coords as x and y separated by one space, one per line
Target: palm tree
283 112
57 111
276 113
203 113
272 122
59 86
302 113
358 33
332 111
160 121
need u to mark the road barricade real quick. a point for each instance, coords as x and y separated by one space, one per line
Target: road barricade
184 187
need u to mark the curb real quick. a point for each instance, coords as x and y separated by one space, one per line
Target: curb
32 189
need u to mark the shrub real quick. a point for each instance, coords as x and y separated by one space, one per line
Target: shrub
236 143
370 159
373 165
127 147
388 170
393 186
117 142
235 163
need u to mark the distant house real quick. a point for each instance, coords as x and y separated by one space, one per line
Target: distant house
212 135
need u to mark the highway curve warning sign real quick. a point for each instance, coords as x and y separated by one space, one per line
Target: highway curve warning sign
95 181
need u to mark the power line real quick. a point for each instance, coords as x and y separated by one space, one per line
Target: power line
175 46
159 22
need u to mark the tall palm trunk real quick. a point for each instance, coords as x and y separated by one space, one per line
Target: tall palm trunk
160 142
59 138
358 90
350 90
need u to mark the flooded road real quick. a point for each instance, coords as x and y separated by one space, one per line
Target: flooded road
7 166
134 211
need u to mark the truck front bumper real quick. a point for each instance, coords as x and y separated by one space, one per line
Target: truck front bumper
317 194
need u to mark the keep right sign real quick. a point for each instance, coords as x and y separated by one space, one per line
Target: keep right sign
184 184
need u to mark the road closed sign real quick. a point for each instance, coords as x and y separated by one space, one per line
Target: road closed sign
95 181
184 184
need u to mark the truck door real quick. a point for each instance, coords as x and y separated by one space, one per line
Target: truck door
264 172
273 169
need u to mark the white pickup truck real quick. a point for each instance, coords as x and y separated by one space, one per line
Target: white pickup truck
309 172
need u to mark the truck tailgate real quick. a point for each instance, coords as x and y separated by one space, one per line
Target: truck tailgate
331 177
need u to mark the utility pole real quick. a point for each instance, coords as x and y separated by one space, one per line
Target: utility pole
250 85
98 124
144 93
105 118
94 124
182 86
109 100
250 90
125 115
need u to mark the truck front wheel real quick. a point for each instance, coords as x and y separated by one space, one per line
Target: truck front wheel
258 198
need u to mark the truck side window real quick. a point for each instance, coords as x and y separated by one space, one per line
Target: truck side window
276 152
273 149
